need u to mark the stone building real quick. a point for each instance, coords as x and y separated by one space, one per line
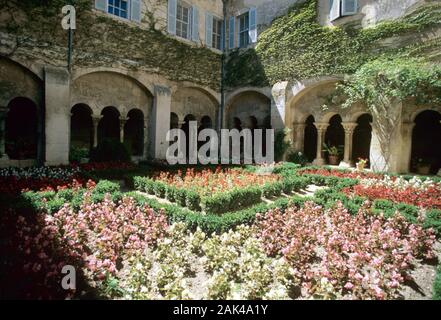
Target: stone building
140 67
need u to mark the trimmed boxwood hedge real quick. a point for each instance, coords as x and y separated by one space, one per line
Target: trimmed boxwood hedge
222 202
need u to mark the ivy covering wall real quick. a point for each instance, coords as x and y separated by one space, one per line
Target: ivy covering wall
100 40
297 47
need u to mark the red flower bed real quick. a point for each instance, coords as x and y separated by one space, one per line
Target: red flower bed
429 198
100 166
343 174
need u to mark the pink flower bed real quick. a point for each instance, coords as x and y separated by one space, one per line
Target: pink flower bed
95 240
339 255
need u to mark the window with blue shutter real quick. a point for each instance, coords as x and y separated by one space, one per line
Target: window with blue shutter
231 32
208 29
172 10
244 28
349 7
195 24
101 5
135 13
253 25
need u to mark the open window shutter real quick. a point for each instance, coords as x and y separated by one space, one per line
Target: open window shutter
101 5
349 7
195 24
135 11
208 29
335 10
172 9
232 32
253 25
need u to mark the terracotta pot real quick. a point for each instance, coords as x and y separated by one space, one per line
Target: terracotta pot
333 160
423 169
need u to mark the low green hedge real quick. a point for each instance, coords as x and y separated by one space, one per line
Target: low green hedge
213 223
220 203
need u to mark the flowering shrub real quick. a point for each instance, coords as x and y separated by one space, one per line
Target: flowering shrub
95 239
426 194
229 266
336 254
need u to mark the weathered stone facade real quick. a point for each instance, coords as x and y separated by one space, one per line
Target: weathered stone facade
140 67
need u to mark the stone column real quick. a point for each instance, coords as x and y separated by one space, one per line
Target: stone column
57 102
122 123
406 147
321 131
299 136
3 114
146 138
161 120
278 105
96 121
349 128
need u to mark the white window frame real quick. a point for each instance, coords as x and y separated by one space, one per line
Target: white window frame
217 23
244 31
188 23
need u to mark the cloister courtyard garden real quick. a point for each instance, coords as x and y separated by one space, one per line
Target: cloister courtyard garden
113 184
281 231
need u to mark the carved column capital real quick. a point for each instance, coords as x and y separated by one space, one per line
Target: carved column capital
96 119
349 127
162 91
321 126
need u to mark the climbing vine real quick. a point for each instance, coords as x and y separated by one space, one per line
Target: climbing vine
296 46
34 31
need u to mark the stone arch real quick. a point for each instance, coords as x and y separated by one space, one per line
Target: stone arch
19 85
194 101
109 125
134 132
310 138
21 129
100 89
425 137
81 127
335 134
362 136
246 104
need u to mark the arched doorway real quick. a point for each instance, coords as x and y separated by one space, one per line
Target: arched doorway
81 127
134 132
22 136
310 142
335 134
206 123
186 128
108 127
174 121
361 143
426 141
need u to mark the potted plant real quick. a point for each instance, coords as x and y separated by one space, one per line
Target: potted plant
423 167
361 164
333 154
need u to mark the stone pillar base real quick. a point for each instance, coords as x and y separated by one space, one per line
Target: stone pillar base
4 157
319 162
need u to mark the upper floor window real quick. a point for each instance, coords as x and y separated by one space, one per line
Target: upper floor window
244 27
127 9
183 20
217 34
342 8
118 8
